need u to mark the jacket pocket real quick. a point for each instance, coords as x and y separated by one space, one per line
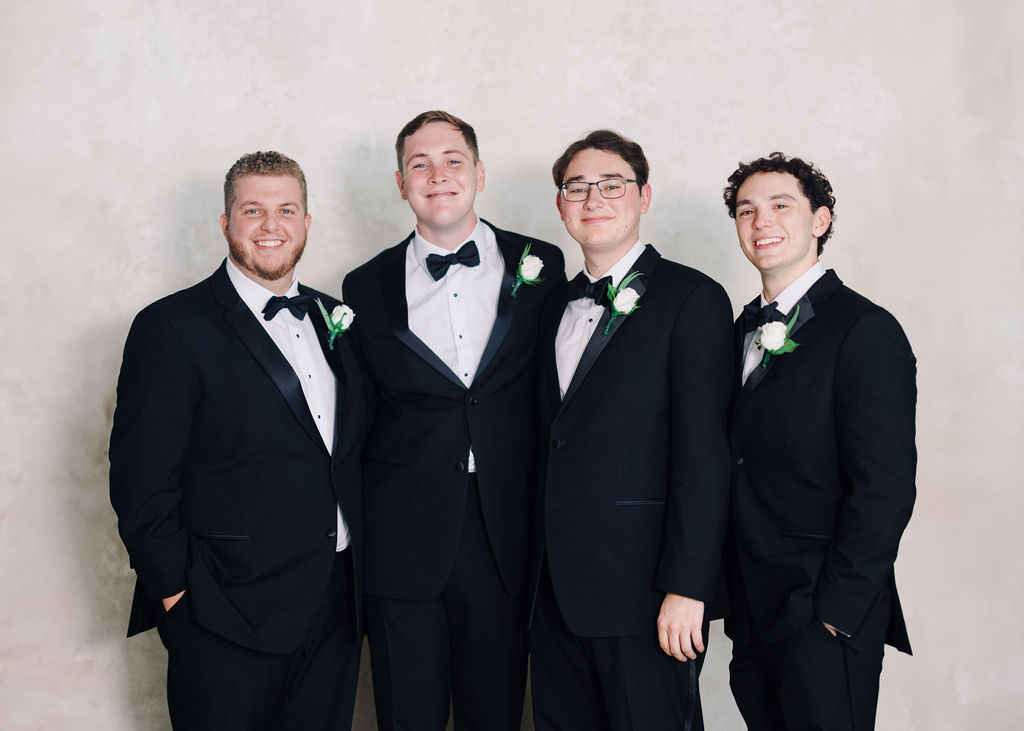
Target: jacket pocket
648 501
220 537
806 536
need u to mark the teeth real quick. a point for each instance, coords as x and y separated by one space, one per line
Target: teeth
270 244
766 242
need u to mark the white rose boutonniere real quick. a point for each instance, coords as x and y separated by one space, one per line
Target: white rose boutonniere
338 322
775 338
624 299
528 271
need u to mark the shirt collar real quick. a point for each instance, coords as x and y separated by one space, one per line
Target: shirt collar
423 248
620 269
253 294
788 297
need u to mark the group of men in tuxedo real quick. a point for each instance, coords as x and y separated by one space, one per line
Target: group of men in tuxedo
488 465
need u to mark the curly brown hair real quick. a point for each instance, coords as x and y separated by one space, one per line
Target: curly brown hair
812 181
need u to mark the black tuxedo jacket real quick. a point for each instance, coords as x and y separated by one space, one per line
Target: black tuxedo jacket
823 470
636 464
220 480
425 421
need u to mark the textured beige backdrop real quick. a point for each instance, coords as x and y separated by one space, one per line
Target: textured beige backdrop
119 118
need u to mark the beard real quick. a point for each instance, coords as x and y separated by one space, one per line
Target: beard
241 256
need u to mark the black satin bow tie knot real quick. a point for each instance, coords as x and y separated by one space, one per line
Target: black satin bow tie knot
582 288
755 316
467 255
297 305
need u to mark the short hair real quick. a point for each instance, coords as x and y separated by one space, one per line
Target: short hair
436 115
813 183
262 163
608 141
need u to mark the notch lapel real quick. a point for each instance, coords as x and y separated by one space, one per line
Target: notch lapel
646 264
820 290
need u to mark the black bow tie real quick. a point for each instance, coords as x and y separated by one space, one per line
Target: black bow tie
755 316
582 288
467 255
297 305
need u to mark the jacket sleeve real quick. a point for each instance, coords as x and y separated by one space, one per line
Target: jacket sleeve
701 370
875 399
156 391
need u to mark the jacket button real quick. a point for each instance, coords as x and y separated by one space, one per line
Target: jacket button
739 460
332 533
460 466
474 401
557 443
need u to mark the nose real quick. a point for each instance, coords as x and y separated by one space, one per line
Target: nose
270 222
594 197
438 175
762 218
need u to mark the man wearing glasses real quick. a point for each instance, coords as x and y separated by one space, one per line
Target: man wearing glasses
636 365
448 334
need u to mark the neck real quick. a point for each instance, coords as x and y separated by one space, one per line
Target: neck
447 238
773 284
599 262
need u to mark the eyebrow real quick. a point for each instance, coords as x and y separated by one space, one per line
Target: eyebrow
777 196
261 204
446 152
603 176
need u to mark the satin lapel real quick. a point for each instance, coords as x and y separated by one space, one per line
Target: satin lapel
342 362
506 302
821 289
393 287
266 353
599 340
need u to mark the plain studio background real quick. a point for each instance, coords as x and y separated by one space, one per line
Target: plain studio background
119 120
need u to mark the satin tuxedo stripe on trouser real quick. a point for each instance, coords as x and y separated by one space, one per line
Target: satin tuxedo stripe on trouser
214 684
823 485
446 568
468 644
633 502
810 679
607 683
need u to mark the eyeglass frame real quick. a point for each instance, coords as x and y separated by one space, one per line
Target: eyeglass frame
565 193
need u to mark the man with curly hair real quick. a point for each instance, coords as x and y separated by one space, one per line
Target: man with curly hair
822 437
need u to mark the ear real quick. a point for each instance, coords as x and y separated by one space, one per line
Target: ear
645 198
480 175
558 204
309 220
224 223
822 218
400 182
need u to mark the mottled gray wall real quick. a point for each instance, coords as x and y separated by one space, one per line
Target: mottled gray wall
119 118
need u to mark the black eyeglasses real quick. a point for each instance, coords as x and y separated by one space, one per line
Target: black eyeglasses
578 190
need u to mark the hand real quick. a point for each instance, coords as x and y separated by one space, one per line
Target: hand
679 627
830 628
170 601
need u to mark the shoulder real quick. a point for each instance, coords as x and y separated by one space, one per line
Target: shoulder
379 262
548 252
193 301
683 281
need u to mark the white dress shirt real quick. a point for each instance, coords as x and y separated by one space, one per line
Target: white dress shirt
297 341
454 315
786 301
581 318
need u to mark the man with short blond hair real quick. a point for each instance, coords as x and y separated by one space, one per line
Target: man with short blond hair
235 475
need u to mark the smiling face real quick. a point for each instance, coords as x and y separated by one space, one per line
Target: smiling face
266 229
604 228
777 229
440 179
